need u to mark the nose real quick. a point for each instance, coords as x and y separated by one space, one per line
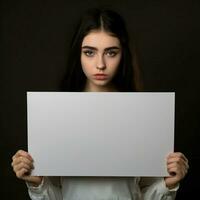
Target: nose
100 63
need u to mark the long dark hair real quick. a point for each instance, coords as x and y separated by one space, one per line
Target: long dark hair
113 23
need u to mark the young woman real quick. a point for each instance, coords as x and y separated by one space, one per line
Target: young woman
100 60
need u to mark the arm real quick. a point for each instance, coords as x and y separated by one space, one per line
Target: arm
39 188
155 188
177 167
49 189
165 188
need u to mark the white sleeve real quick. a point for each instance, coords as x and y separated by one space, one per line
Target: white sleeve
49 189
154 188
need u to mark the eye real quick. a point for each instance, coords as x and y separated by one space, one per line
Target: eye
89 53
111 53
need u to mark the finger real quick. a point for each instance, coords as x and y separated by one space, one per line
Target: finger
22 159
174 159
171 165
21 166
178 162
180 165
175 169
176 172
178 155
21 173
22 153
25 154
172 168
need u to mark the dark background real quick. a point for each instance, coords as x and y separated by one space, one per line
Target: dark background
35 36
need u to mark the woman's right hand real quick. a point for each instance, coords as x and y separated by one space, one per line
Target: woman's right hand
22 164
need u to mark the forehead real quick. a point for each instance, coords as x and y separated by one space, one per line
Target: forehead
100 39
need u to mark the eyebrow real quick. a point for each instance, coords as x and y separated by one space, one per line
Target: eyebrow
106 49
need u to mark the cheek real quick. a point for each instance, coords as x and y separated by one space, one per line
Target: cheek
86 64
114 63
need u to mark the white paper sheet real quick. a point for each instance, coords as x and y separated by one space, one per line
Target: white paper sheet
100 133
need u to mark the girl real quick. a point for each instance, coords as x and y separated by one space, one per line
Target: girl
100 60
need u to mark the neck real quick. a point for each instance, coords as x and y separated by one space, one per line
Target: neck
94 88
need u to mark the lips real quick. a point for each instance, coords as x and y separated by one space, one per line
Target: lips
100 76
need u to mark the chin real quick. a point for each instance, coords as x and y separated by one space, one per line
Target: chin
101 83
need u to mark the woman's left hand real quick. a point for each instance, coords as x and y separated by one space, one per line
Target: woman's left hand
177 167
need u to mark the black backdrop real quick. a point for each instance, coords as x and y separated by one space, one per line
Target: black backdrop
35 36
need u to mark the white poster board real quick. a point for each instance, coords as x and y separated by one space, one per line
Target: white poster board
100 133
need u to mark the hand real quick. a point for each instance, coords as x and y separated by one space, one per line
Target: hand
22 164
177 166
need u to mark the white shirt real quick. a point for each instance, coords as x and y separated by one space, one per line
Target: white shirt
98 188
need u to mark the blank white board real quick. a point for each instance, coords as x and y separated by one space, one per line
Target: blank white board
100 133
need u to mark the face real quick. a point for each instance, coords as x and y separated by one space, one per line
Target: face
100 58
